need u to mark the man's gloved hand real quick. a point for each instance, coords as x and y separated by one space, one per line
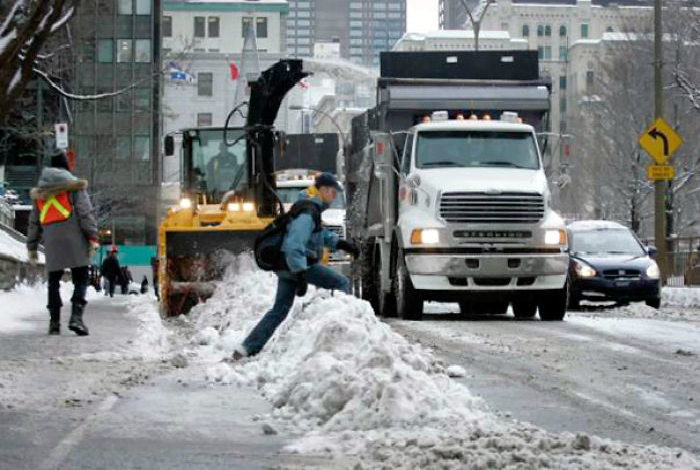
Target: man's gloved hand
33 257
348 248
302 284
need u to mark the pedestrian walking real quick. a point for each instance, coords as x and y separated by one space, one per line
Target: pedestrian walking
124 279
111 271
302 249
144 285
62 218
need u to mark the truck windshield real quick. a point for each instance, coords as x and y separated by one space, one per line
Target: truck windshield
216 167
476 149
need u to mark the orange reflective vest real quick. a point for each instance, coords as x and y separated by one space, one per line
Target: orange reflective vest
54 209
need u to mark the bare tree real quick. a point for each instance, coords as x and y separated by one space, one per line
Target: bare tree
476 16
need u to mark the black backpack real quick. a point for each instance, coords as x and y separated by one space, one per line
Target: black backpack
268 245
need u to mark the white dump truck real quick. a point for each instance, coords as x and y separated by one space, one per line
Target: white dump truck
450 196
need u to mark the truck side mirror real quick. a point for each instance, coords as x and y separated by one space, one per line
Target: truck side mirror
169 144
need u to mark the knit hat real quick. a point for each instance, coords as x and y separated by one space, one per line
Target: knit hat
327 179
60 160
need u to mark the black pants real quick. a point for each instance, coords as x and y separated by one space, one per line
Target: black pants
80 283
112 282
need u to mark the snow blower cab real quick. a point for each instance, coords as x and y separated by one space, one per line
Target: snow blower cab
227 194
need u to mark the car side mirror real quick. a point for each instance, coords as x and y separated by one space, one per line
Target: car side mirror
652 251
169 144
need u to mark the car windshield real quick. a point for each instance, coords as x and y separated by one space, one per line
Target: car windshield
476 149
606 241
217 167
291 195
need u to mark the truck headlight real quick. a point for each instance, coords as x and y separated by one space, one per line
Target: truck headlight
653 271
555 237
248 207
426 236
185 203
233 207
583 270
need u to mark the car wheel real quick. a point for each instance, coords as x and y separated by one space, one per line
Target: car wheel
654 303
552 305
524 308
409 304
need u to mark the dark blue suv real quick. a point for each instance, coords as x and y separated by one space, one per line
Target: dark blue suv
609 263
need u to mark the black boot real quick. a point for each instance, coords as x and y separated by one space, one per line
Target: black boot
76 324
55 321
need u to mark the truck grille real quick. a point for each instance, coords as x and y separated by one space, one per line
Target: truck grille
513 208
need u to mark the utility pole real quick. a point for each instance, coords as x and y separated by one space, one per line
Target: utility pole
659 186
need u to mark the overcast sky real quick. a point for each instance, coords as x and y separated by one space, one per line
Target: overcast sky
422 15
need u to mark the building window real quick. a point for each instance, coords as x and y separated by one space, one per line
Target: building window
562 83
247 22
124 7
526 30
584 30
562 53
105 104
609 29
124 49
261 24
540 30
204 119
142 148
167 26
547 30
143 50
544 52
205 84
590 80
199 27
562 105
124 101
105 50
143 7
123 148
562 31
142 99
213 24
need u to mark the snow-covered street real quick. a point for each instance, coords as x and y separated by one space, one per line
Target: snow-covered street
338 387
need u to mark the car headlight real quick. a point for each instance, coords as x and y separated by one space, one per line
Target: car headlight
185 203
426 236
653 271
583 270
555 237
248 207
233 207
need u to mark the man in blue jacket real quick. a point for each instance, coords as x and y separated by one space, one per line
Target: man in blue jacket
303 248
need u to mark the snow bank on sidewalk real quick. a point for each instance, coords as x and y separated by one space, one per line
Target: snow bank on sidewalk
354 387
23 308
151 340
677 303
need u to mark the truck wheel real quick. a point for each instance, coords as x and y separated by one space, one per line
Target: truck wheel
385 303
409 304
553 304
524 308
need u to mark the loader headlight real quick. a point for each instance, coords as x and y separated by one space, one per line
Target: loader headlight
653 271
233 207
185 203
426 236
555 237
248 207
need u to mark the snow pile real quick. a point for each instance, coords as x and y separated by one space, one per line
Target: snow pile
354 387
677 303
151 340
15 249
686 297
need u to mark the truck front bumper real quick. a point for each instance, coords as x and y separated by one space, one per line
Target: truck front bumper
487 272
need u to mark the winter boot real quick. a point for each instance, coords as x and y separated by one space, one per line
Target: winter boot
76 324
55 321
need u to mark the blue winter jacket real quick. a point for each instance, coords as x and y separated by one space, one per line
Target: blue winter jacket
301 243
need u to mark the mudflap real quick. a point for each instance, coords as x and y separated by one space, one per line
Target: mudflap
195 261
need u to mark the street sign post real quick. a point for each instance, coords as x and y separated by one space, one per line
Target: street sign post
661 172
660 141
61 135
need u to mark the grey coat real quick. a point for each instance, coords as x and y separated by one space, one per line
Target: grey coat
66 242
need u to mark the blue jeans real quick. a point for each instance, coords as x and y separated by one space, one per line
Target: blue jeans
318 275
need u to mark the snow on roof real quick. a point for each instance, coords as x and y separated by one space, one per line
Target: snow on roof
586 225
455 34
